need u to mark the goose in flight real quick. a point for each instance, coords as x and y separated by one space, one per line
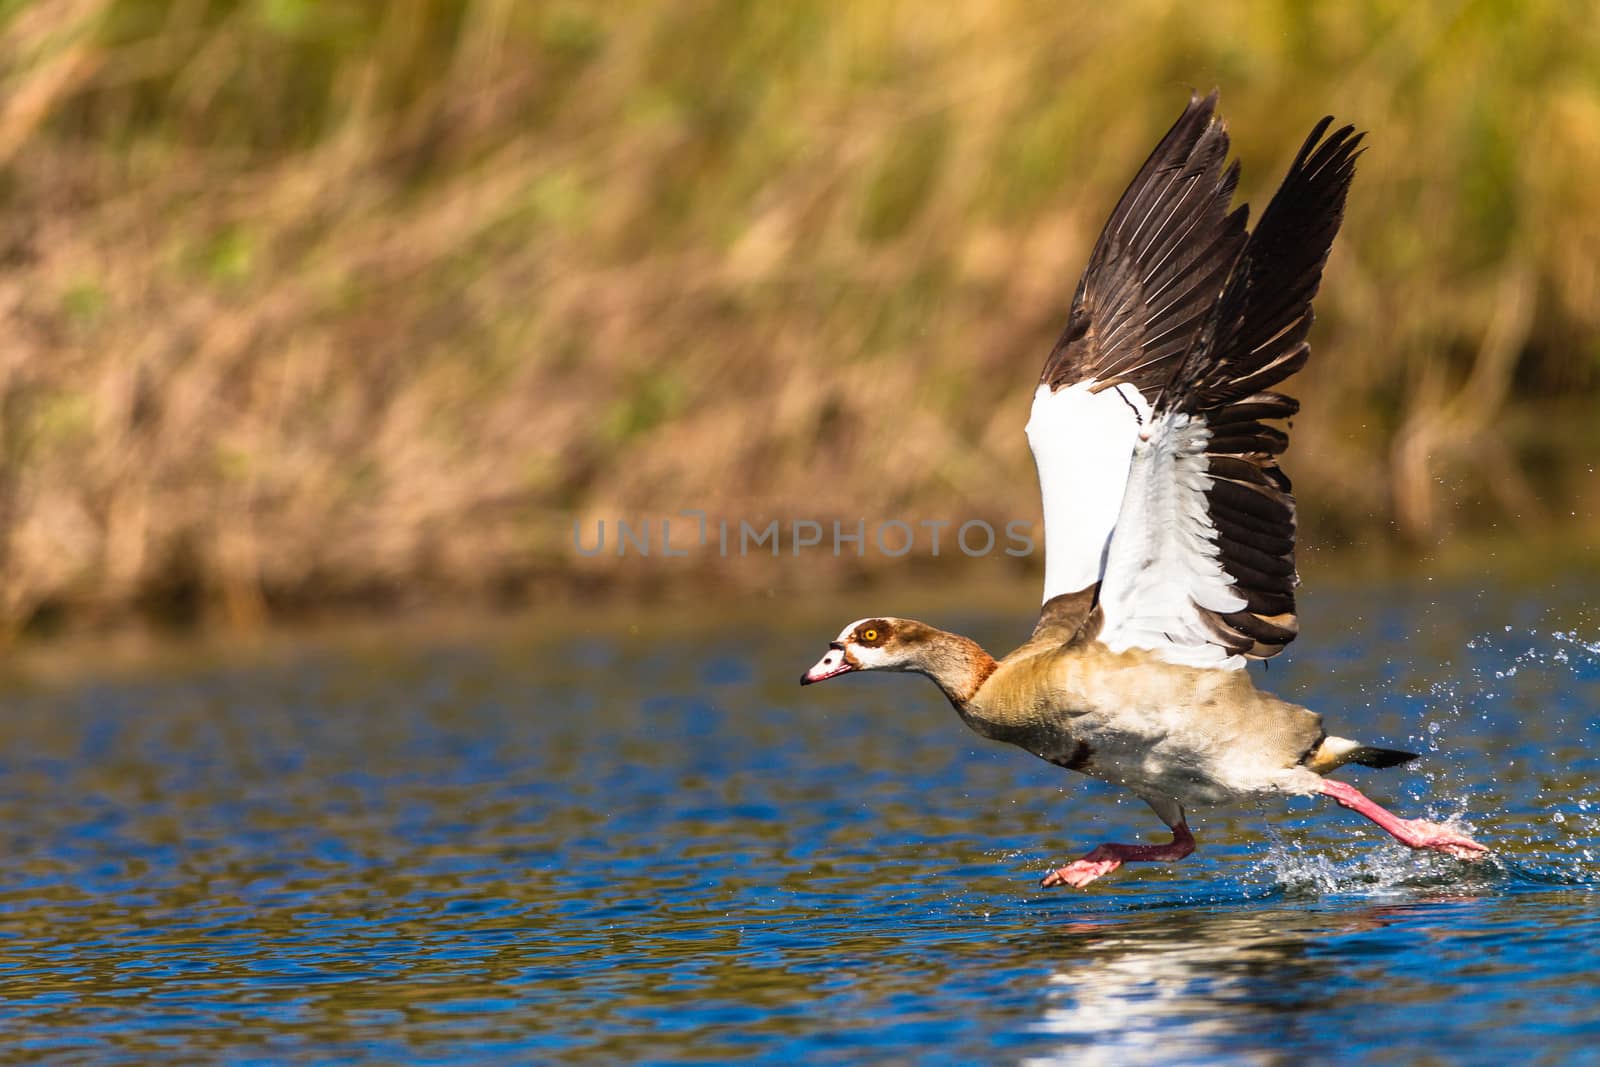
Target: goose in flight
1169 527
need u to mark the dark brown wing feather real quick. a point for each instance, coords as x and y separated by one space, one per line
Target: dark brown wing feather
1159 265
1068 618
1256 340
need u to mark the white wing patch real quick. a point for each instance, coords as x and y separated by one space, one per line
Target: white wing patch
1083 444
1163 563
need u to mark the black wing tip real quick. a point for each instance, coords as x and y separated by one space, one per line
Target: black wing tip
1145 234
1337 151
1201 105
1266 311
1196 130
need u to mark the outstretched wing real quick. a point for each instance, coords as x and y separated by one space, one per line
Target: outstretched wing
1201 566
1152 278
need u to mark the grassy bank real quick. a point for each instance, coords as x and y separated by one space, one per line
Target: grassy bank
312 301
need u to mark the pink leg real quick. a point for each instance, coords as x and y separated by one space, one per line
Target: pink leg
1109 857
1417 833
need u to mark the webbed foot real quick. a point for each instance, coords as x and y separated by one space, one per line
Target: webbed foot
1107 858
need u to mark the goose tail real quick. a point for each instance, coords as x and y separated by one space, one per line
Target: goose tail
1335 752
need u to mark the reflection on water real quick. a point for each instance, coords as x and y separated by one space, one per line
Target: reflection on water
1202 984
607 846
1180 987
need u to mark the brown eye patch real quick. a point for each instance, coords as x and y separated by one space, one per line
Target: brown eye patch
872 634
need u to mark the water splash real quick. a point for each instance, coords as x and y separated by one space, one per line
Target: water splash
1543 830
1381 871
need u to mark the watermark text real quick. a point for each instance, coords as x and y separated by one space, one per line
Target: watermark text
692 532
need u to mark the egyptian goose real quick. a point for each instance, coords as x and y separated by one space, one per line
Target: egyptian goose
1169 528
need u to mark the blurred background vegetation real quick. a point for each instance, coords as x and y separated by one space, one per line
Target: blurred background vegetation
311 301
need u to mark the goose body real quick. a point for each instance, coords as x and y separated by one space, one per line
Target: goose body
1169 527
1199 737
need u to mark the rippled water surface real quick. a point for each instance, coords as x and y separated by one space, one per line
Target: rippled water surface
643 841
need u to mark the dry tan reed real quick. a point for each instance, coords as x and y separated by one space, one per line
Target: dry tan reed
310 301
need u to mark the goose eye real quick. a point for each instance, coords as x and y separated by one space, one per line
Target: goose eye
869 635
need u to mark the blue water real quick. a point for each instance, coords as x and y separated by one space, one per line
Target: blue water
638 839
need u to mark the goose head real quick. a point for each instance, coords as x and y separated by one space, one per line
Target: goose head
879 644
883 643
